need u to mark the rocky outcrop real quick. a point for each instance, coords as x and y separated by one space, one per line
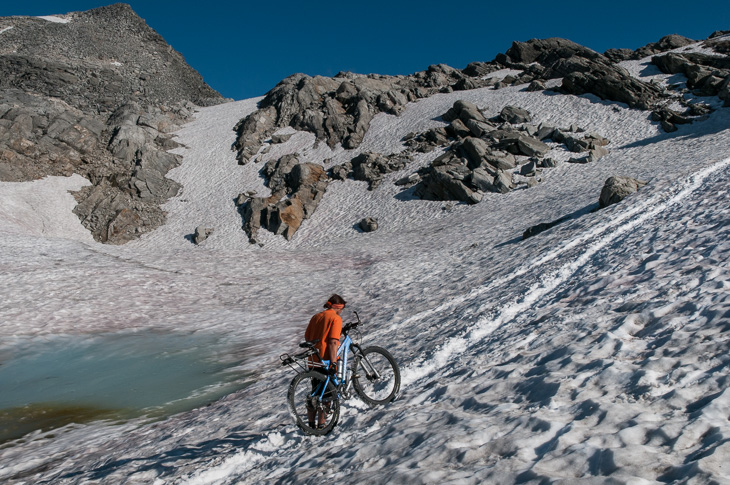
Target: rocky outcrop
122 154
98 96
583 71
339 110
707 75
719 42
666 43
296 190
97 61
370 167
617 189
486 155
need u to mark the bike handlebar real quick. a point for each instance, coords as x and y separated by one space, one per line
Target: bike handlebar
352 325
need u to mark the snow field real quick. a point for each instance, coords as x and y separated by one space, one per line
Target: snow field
592 352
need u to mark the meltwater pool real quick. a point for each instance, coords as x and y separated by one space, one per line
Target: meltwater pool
49 382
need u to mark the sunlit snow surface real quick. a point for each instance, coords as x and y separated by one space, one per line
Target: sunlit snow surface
598 349
55 19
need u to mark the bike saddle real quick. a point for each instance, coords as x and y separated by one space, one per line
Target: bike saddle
310 344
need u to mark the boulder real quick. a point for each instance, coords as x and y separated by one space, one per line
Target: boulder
281 138
457 129
475 151
368 224
618 188
464 111
593 155
536 85
543 51
201 234
370 167
514 115
519 144
447 182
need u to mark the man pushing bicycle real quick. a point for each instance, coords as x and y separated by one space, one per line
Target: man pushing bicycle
325 328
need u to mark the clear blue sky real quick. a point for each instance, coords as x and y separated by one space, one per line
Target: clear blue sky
243 48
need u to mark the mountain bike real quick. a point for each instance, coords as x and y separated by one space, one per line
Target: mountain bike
318 390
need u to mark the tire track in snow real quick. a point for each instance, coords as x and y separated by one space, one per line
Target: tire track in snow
595 239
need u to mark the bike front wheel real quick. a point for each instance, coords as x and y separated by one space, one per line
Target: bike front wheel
376 376
313 400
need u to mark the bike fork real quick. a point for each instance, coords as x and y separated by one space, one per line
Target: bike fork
370 371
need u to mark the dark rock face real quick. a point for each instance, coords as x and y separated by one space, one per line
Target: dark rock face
98 96
296 190
97 61
617 189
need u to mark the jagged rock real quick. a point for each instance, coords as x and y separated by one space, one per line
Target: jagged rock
94 61
619 55
519 144
457 129
369 167
593 155
669 118
447 183
409 181
547 163
297 188
536 86
531 168
478 153
464 111
514 115
339 110
201 234
607 81
707 75
475 150
718 42
542 51
479 69
617 188
281 138
544 132
368 224
486 160
583 71
664 44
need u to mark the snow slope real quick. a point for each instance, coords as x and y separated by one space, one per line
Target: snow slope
595 352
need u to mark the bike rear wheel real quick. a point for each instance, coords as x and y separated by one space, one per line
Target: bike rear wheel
376 376
309 399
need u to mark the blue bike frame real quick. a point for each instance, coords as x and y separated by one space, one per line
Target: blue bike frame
343 354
